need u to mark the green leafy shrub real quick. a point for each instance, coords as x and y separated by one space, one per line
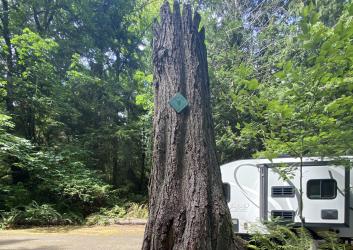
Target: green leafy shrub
138 211
40 215
15 195
281 237
36 215
117 211
98 219
107 216
71 218
48 177
331 241
9 219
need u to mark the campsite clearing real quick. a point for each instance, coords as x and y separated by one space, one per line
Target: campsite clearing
121 237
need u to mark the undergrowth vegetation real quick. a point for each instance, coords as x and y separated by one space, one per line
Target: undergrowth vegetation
47 187
36 215
46 215
108 216
279 236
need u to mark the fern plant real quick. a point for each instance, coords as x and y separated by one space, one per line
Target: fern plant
331 241
9 219
281 237
41 215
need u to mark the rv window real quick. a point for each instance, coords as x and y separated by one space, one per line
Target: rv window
322 189
226 191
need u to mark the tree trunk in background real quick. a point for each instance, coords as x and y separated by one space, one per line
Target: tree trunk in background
5 29
186 203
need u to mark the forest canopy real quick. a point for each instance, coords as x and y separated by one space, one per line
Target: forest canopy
76 98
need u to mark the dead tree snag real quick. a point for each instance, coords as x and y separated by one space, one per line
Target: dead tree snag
187 207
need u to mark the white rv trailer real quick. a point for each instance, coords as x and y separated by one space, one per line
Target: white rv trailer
255 193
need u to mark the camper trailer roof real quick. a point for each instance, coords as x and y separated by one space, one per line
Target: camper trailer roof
281 160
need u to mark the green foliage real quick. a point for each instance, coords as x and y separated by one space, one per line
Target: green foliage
135 210
40 215
127 211
281 237
145 86
245 43
15 195
306 109
332 242
74 107
35 82
47 176
34 214
281 84
9 219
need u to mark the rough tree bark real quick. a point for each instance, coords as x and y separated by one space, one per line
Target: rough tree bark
186 203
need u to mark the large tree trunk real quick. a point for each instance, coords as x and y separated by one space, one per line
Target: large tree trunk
186 203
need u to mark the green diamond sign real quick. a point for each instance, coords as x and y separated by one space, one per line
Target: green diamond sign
178 102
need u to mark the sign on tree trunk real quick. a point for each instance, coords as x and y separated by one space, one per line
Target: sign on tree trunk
186 203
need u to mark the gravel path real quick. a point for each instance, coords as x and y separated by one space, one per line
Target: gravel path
120 237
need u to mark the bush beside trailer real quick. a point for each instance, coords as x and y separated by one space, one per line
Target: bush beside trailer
256 193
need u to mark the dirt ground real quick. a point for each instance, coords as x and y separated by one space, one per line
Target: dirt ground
120 237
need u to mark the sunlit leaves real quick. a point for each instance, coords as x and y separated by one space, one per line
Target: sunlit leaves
145 90
303 107
315 109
